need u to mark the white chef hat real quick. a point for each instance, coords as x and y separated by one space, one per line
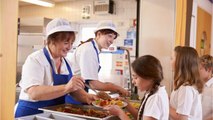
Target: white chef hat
106 24
58 25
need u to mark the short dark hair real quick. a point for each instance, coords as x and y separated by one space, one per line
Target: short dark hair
107 31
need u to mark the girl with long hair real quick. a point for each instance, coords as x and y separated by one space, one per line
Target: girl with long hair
147 76
185 99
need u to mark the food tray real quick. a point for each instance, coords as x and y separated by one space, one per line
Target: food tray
48 116
56 110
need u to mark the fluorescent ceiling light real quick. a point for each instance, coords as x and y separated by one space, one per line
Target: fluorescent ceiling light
45 3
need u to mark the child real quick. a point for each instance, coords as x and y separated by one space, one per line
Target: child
206 69
185 99
206 73
147 76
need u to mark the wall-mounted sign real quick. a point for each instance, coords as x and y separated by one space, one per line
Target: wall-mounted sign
86 10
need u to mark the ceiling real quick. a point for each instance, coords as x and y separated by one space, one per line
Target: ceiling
21 3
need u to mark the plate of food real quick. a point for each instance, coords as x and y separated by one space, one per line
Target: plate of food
103 103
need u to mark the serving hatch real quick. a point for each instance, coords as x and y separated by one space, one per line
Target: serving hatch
82 111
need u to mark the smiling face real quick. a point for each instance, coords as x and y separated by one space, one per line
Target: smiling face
105 38
61 44
63 47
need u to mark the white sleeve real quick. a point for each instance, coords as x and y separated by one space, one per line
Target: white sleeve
153 107
32 73
185 100
89 64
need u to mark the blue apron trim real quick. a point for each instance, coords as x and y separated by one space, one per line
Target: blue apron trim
68 98
96 50
29 108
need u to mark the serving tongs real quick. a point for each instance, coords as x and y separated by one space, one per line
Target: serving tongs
91 88
100 94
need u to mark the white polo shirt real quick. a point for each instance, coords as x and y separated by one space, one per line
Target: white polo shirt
85 61
207 99
187 101
157 105
209 83
37 71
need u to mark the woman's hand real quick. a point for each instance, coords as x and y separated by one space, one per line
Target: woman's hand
74 84
90 98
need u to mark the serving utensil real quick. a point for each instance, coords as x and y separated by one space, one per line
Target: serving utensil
100 94
91 88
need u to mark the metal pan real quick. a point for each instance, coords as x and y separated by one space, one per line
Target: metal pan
48 116
55 110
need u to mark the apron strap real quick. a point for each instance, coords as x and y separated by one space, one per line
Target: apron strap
96 50
48 58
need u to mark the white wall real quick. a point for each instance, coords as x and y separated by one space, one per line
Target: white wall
193 28
205 4
157 26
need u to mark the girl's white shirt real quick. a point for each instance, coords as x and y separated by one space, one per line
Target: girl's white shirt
157 105
207 100
209 83
186 100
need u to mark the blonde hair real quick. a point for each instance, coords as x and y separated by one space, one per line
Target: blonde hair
207 62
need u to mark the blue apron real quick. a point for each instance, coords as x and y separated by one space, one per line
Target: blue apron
25 108
96 50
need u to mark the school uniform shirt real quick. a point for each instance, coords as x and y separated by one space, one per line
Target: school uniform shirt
186 100
157 105
207 99
85 61
37 71
209 83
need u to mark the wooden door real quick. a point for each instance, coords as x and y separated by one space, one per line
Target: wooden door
8 49
203 42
